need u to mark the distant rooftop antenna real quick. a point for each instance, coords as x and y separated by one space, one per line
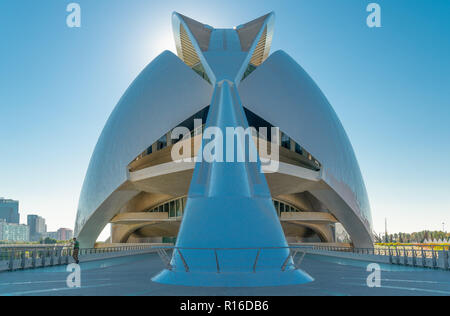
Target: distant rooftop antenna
385 230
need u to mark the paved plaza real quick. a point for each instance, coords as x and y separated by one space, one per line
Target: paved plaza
131 276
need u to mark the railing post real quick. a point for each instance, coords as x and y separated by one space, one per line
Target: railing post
424 260
446 257
256 261
11 259
434 257
23 257
44 255
52 260
285 263
186 267
405 256
217 261
33 258
59 254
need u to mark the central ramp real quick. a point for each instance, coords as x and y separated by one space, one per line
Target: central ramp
230 234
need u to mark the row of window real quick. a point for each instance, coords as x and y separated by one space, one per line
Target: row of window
162 142
288 143
176 207
282 207
253 120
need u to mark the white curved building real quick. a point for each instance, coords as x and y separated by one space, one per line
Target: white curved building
133 183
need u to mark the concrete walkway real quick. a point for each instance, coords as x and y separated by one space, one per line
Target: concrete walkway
132 276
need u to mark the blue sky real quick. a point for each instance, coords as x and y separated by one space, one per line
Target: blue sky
390 87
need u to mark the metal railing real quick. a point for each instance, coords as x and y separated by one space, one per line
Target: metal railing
13 258
420 256
254 255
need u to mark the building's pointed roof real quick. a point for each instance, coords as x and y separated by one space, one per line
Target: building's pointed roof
200 31
223 53
249 31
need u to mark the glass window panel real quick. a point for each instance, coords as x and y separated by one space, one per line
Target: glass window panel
174 141
172 211
298 149
178 207
277 207
161 143
285 141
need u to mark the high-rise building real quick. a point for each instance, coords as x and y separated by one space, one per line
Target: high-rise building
64 234
9 210
14 232
37 227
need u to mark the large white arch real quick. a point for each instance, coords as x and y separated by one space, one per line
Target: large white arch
282 93
168 91
162 96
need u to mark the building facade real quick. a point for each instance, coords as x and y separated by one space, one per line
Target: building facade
37 227
64 234
133 183
9 211
14 232
51 235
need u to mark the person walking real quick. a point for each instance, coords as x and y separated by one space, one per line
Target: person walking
76 250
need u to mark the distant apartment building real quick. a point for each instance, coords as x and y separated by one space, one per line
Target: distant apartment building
9 211
64 234
14 232
52 235
37 227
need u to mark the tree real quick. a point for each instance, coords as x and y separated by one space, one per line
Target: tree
48 241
